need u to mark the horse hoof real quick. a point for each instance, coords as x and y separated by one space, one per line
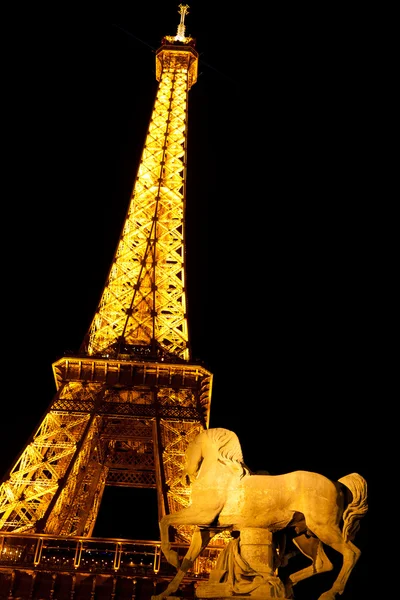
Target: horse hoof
289 591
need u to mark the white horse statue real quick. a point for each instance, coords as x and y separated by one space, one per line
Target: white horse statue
226 495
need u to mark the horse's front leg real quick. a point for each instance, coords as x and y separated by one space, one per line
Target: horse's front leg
191 515
164 525
200 540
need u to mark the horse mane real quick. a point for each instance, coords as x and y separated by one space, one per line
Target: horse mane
229 449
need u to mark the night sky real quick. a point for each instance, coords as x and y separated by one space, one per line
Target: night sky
279 241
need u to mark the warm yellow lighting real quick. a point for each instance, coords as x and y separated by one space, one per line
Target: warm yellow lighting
136 356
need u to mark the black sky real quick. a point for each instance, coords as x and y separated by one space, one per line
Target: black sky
279 241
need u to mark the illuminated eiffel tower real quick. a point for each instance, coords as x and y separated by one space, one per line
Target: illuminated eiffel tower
129 402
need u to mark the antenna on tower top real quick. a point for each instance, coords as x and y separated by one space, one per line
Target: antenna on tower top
183 11
180 36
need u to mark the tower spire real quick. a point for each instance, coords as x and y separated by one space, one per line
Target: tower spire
183 11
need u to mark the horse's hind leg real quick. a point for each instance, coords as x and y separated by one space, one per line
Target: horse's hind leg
312 548
332 537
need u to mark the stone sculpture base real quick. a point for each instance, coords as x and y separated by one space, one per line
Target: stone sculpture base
239 597
221 591
255 579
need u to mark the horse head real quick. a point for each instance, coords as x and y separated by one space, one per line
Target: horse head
213 447
193 460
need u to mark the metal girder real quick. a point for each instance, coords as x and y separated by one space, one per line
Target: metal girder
129 403
96 434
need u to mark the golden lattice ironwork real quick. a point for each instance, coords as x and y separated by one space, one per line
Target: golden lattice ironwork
142 310
129 402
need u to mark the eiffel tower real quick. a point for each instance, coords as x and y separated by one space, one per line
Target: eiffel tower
128 403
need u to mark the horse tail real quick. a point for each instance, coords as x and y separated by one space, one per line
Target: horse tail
358 505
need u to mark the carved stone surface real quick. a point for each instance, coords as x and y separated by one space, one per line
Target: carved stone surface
259 510
246 566
221 591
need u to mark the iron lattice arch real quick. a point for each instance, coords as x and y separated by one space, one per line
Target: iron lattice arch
105 432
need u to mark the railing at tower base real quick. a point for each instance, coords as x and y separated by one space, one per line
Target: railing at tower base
45 567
